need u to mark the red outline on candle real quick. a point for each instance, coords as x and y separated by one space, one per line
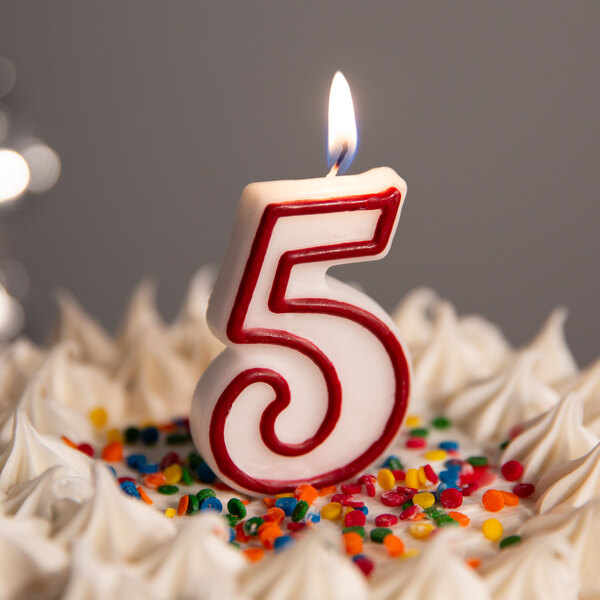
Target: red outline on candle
388 202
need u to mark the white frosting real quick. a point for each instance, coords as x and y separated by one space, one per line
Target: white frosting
437 572
571 484
30 453
587 385
489 409
17 364
115 526
551 439
581 527
458 352
312 568
414 317
76 325
540 568
198 563
31 565
53 492
557 363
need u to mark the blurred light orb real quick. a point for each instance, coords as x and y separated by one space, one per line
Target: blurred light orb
14 175
8 76
4 123
12 316
44 166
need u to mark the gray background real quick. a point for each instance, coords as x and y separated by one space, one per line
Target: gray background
163 111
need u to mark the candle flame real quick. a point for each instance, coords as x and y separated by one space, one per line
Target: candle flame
342 125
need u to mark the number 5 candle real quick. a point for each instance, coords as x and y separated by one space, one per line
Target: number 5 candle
314 383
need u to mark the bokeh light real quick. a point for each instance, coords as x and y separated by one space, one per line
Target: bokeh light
12 316
14 175
44 166
8 76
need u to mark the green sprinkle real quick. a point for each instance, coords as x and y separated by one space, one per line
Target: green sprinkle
433 512
186 476
168 490
504 444
235 544
251 525
445 520
441 422
204 494
231 520
236 507
379 533
355 529
177 439
511 540
421 432
132 435
194 460
300 510
478 461
193 505
407 504
393 464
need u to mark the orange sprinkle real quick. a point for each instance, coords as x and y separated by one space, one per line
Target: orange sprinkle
167 427
254 554
183 505
154 480
493 500
460 518
510 499
474 563
418 516
325 491
245 502
269 502
394 545
268 532
353 543
307 493
277 514
113 452
143 495
68 442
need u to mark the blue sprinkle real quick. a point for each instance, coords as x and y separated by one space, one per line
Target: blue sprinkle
448 476
358 557
149 435
363 509
287 504
283 541
130 489
205 474
148 468
313 517
211 503
135 461
231 534
444 486
448 445
453 463
112 470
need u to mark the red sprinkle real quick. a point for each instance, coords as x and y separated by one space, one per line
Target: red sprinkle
393 498
385 520
123 479
364 564
416 442
512 470
370 488
430 474
409 512
451 498
398 474
170 458
341 498
468 489
355 504
293 526
524 489
86 449
407 491
350 488
355 518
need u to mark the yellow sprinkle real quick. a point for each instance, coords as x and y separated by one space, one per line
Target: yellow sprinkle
413 421
98 417
420 530
412 478
422 477
424 499
347 509
173 474
114 435
410 553
332 511
170 513
145 424
436 454
284 495
386 479
492 529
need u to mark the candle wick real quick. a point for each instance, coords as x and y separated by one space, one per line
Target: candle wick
339 161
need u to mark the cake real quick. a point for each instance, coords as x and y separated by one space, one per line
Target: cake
491 491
